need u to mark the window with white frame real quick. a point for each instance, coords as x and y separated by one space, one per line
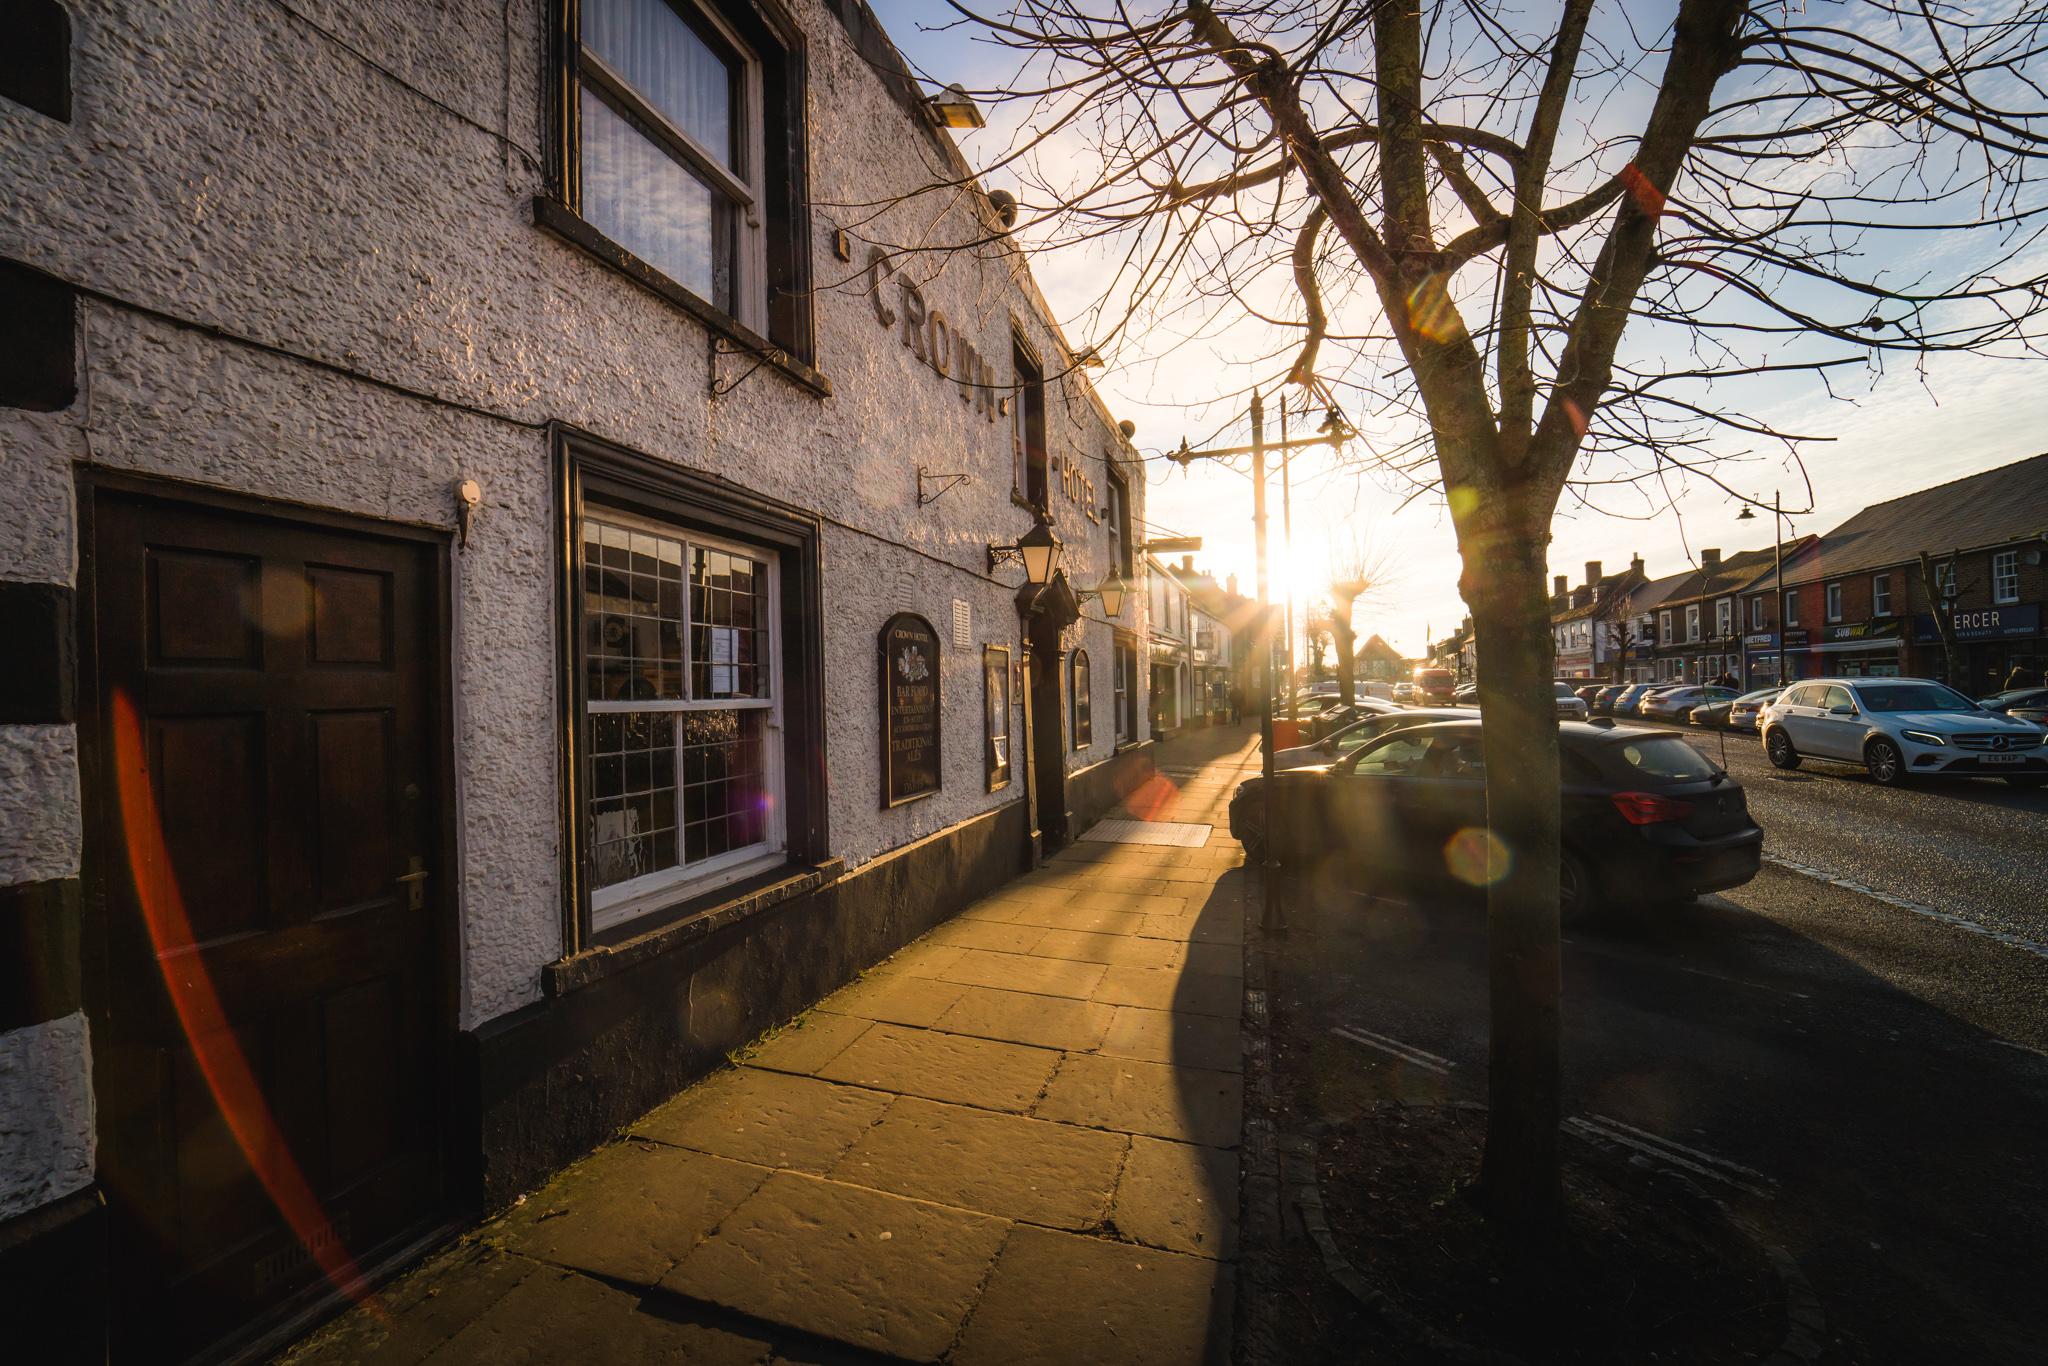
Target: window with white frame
1692 621
1792 608
681 126
995 667
1664 635
2005 576
1126 686
1834 601
1724 618
1881 595
682 709
1945 580
1756 614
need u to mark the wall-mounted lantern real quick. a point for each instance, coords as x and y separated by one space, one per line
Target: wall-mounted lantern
1038 550
1111 593
955 108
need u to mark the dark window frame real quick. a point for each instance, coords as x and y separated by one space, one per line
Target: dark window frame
1081 699
1120 525
779 50
622 478
1031 457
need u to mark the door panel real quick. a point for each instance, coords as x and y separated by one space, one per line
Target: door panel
270 1014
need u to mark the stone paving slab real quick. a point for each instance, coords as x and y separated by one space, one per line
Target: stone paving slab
859 1266
922 960
1211 927
807 1043
898 998
771 1119
986 934
1007 1165
1055 916
558 1316
629 1213
1179 1196
1118 950
1189 1104
950 1067
1028 1018
1057 1299
1025 972
1190 993
1094 901
1205 1041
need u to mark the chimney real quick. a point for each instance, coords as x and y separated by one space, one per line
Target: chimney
1231 585
1558 585
1592 573
1710 560
1187 564
1635 564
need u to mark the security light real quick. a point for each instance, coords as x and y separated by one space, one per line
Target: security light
953 108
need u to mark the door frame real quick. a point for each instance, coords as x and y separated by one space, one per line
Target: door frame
460 1161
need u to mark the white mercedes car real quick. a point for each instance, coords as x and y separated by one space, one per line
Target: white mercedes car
1898 728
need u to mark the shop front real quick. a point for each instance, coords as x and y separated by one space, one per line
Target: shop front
1993 642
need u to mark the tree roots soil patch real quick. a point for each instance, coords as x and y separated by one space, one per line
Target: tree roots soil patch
1644 1270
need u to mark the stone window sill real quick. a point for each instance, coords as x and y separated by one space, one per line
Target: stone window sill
688 922
559 219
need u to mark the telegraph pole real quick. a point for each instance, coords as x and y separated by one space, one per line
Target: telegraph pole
1265 602
1287 539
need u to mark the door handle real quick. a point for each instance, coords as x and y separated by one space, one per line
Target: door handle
416 874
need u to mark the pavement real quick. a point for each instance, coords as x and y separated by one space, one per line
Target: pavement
1014 1141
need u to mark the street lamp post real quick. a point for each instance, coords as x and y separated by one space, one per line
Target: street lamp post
1777 581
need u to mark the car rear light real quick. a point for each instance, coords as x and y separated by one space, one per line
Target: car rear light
1647 808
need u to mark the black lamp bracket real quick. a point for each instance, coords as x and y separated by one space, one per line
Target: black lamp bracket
942 484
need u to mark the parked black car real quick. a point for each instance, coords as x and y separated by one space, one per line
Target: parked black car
1641 811
1603 701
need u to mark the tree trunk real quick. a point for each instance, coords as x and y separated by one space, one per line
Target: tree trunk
1346 641
1944 622
1503 584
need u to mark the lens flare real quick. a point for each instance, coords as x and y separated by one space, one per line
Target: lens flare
1476 857
235 1090
1430 311
1648 197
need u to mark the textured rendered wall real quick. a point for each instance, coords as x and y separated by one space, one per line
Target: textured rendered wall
338 202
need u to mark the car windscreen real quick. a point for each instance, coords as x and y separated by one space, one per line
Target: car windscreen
1912 697
1668 758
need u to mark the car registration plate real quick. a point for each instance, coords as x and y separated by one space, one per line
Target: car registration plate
2003 758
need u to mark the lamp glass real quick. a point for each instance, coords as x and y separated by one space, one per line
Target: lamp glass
1041 552
1111 592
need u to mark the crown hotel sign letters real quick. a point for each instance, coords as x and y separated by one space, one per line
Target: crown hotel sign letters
928 336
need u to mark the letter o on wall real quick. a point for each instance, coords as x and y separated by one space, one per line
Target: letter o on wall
941 344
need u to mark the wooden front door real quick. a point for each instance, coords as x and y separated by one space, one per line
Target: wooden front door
268 1003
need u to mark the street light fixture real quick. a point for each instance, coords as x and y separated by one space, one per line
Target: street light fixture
955 108
1110 592
1038 550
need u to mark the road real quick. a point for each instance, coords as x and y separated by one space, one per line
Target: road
1863 1078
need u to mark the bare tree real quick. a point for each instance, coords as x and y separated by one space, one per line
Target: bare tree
1360 573
1450 216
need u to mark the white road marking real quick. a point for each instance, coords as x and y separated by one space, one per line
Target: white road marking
1604 1129
2021 1047
1406 1052
1901 903
1737 981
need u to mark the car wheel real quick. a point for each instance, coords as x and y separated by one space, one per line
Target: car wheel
1778 746
1578 895
1887 766
2026 780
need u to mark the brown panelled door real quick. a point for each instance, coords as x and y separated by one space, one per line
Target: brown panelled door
268 1000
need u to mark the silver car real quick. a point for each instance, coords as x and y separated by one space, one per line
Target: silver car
1901 727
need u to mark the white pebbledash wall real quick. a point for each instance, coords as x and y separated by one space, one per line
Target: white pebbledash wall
303 235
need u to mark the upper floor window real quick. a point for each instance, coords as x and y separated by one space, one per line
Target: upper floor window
1756 614
681 144
1724 617
1119 508
1792 608
1083 702
2005 576
1881 595
1692 621
1834 602
1945 579
1027 430
1664 628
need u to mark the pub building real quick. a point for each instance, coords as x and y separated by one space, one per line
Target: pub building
537 548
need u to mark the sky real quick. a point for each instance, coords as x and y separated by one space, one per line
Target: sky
1886 434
